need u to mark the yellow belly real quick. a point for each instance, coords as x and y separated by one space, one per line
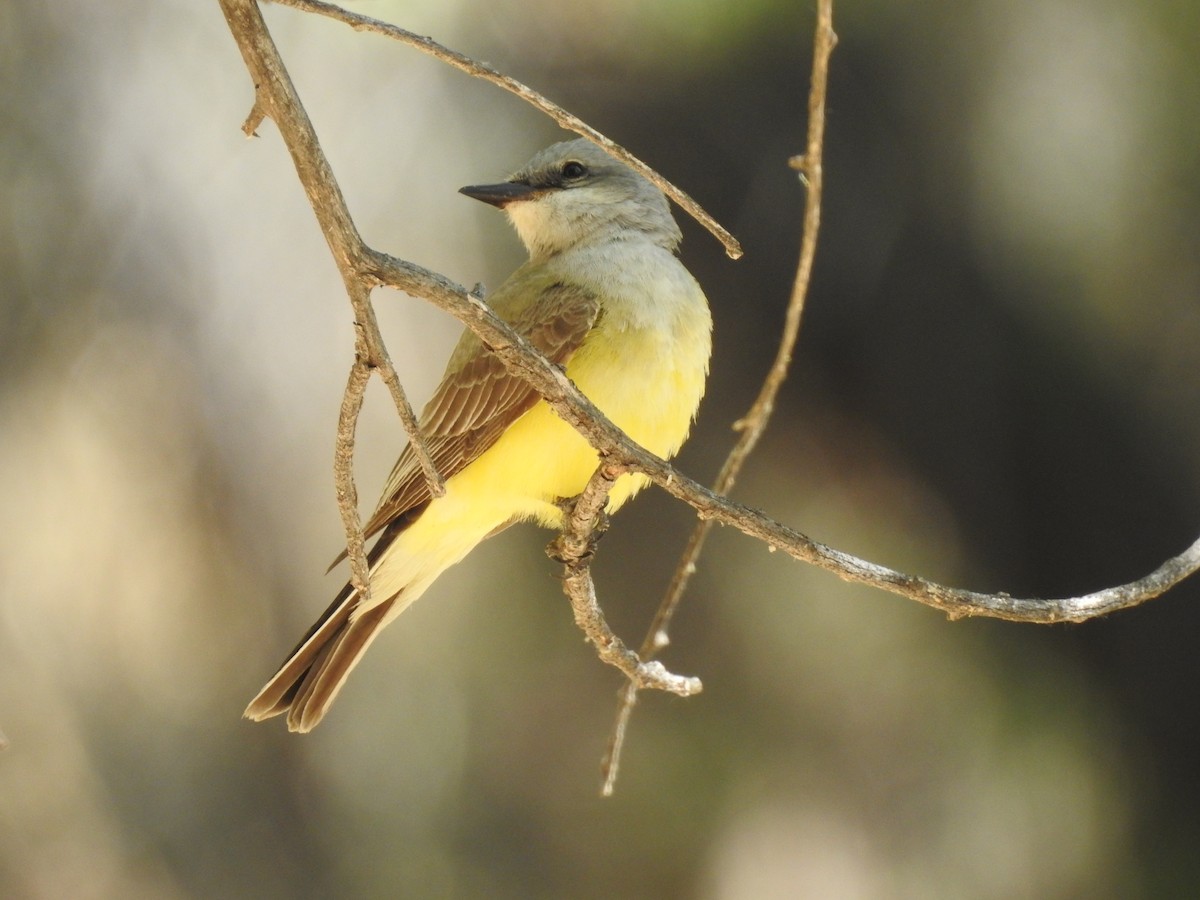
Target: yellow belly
648 384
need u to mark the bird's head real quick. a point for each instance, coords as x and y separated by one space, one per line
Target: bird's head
573 193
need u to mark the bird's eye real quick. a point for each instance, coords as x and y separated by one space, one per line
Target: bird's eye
573 170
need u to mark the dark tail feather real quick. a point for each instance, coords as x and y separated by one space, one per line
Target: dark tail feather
309 680
324 679
276 696
313 673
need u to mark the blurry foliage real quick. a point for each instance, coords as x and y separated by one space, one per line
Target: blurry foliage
996 387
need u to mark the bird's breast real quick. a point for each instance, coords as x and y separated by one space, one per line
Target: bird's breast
645 362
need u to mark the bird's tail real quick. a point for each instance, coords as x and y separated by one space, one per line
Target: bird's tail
313 673
311 676
309 680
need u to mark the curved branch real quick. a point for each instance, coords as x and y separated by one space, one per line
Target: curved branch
752 425
573 407
584 523
567 120
275 96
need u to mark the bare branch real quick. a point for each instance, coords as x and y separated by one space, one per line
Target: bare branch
276 96
553 110
618 449
379 359
583 523
521 358
754 423
956 603
610 763
343 474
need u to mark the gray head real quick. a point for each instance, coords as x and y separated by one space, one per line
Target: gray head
574 192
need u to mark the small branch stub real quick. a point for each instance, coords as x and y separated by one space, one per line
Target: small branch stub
255 118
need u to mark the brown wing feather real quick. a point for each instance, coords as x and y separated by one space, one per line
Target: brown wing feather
478 399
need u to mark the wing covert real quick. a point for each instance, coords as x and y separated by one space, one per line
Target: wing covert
478 399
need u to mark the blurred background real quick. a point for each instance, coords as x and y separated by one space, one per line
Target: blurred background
996 387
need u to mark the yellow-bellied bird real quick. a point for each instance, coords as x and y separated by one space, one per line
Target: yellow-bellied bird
604 295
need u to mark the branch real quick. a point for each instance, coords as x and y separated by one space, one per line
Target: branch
553 110
584 523
275 96
519 357
343 474
754 423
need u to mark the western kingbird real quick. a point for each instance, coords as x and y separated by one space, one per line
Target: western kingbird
604 295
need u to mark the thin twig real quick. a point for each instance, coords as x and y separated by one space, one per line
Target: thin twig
488 73
276 96
575 547
380 360
610 762
343 473
752 425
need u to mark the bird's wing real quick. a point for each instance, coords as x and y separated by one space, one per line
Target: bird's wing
479 399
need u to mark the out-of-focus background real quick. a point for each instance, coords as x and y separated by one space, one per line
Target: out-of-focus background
996 387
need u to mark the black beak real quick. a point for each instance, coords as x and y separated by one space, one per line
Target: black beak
501 194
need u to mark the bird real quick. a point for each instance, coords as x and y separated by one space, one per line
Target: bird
603 295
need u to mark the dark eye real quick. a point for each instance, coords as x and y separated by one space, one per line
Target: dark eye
573 170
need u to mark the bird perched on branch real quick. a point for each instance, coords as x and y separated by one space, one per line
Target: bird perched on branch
603 295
